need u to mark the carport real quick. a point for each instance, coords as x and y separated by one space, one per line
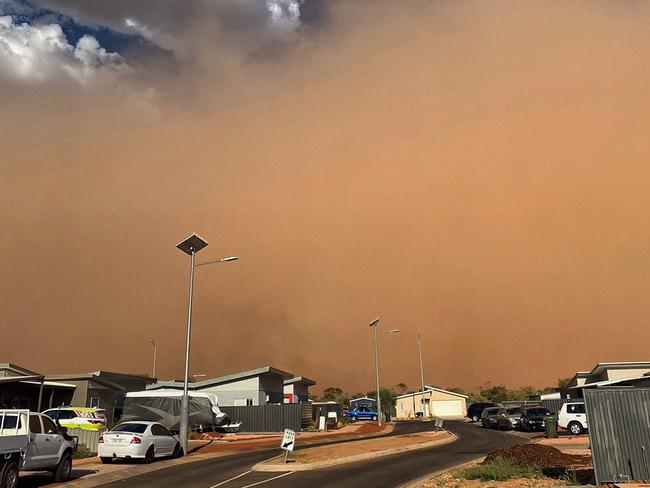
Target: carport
33 392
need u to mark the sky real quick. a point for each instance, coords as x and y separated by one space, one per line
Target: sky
474 170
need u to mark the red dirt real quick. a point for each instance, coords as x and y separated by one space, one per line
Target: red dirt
540 456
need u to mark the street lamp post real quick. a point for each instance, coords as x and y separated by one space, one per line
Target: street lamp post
375 325
191 246
425 406
155 354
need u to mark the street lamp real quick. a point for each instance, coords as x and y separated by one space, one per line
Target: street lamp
155 353
425 406
191 246
375 325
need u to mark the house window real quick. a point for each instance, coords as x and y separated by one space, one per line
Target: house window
94 402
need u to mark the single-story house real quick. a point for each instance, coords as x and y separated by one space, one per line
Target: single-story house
23 388
259 386
625 373
363 402
441 403
296 389
101 389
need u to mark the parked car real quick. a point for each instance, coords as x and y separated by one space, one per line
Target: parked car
79 417
362 413
138 440
532 418
475 410
489 417
509 418
573 417
33 442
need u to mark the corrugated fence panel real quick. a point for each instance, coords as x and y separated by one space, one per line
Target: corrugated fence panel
88 438
266 418
619 432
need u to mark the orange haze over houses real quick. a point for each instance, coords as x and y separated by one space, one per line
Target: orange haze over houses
477 171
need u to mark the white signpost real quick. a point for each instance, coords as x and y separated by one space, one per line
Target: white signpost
288 442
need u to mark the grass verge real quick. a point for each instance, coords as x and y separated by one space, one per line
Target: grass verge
499 469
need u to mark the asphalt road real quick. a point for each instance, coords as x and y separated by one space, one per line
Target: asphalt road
389 471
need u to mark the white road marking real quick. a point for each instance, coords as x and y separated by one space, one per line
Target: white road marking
229 480
270 479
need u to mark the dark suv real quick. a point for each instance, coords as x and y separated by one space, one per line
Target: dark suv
532 418
475 410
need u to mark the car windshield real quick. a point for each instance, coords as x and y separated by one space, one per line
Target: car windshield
514 411
538 411
131 427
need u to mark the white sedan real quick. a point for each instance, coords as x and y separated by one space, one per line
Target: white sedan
138 440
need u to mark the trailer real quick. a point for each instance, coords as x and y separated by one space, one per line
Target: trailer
164 406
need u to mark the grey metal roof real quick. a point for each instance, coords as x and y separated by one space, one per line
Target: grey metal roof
18 369
84 377
122 376
240 376
299 379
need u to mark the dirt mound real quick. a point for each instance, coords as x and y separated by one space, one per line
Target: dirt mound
540 456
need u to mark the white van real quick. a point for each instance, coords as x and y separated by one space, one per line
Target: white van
573 417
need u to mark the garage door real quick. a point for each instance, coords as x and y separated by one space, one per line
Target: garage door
448 408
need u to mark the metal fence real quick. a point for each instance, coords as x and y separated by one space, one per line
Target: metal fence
553 405
266 418
619 433
88 438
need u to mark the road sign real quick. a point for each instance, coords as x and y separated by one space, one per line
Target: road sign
289 440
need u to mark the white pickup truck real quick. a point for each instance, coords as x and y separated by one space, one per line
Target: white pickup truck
32 442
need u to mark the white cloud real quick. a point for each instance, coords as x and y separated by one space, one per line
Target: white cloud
42 52
284 14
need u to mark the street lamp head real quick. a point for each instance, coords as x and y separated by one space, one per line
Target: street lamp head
152 341
192 244
229 258
374 323
392 331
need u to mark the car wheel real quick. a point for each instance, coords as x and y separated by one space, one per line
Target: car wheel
374 417
575 428
475 418
63 469
354 418
105 460
178 452
148 457
10 475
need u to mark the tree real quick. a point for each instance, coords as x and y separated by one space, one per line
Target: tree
495 394
334 393
401 388
562 383
388 399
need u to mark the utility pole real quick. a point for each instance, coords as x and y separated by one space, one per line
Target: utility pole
375 324
425 406
155 353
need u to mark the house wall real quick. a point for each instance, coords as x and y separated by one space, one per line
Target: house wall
299 390
273 387
617 374
407 407
238 391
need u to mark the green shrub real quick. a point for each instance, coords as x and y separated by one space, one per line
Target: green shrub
82 452
498 470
